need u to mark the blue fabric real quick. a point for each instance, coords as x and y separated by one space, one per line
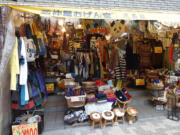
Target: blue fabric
115 82
34 83
19 47
28 31
156 81
42 47
73 75
100 96
113 100
23 102
41 83
42 88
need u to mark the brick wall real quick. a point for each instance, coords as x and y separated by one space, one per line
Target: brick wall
169 5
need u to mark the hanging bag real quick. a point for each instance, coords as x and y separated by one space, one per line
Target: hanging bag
176 47
30 49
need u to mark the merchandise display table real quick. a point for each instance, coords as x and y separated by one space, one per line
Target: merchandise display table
98 107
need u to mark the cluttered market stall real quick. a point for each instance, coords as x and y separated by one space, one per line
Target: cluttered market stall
94 60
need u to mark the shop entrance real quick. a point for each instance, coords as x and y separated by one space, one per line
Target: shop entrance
77 71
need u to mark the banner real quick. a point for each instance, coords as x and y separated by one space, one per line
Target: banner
25 129
74 12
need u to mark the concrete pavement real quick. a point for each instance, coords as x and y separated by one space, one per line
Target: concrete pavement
162 126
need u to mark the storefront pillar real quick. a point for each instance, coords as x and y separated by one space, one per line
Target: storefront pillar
6 43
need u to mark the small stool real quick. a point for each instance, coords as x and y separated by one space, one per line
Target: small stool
96 119
132 114
108 117
119 115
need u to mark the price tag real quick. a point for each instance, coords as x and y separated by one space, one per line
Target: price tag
50 87
158 49
75 99
140 82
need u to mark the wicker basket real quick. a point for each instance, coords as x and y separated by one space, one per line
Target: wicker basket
88 83
69 83
151 86
76 101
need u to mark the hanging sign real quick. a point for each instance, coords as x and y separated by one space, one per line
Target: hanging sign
140 82
74 12
25 129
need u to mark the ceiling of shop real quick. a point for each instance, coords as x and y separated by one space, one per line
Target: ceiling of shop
170 5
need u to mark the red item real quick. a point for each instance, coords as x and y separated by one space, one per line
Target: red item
170 57
30 105
128 72
23 30
128 96
99 83
179 82
14 106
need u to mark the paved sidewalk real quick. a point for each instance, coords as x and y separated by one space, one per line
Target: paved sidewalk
162 126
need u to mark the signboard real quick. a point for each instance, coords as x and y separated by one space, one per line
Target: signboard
25 129
50 87
158 49
73 12
140 82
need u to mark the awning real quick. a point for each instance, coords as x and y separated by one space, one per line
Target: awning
85 13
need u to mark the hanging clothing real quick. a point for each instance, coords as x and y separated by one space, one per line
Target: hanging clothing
92 63
120 70
114 59
131 59
28 32
14 66
144 51
170 57
23 72
157 54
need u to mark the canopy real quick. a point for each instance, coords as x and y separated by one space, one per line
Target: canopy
85 13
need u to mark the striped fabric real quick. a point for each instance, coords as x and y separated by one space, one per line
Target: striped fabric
120 70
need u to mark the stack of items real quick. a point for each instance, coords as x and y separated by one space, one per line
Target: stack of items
90 98
75 116
101 98
90 87
75 97
110 96
122 95
155 84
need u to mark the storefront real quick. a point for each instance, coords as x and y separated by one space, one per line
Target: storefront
94 59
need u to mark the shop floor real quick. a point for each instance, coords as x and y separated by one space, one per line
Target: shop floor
56 106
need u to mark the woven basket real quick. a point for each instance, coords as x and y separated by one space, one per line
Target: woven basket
151 86
76 101
88 83
69 83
